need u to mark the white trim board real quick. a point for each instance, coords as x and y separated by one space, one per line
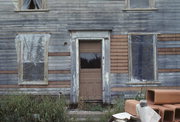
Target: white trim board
104 36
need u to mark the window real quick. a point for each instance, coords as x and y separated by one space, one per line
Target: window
32 4
140 4
32 58
90 60
143 57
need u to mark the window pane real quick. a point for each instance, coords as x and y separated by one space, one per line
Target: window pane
139 3
90 60
33 57
33 48
32 4
142 57
33 71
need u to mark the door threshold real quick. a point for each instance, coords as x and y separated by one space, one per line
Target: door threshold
92 101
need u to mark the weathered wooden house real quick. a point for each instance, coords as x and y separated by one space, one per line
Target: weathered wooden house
89 49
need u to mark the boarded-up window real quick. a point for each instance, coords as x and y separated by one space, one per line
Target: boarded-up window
32 4
142 57
32 57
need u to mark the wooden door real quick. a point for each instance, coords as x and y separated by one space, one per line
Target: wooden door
90 70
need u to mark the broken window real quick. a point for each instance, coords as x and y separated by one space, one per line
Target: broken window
33 4
32 57
142 58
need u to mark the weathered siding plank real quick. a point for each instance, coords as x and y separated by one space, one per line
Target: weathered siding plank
59 62
8 79
36 91
168 55
169 79
59 77
168 70
168 44
169 62
119 80
119 54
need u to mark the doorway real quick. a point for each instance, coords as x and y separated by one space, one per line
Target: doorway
90 69
96 44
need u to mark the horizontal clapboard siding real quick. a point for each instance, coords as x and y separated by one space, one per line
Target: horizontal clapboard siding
168 61
133 92
59 77
119 54
59 62
9 72
169 51
168 55
8 57
169 37
55 77
169 70
59 73
169 79
35 91
59 69
122 89
8 79
59 54
59 83
119 63
66 15
119 80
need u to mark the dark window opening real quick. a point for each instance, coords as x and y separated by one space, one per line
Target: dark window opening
90 60
33 71
32 5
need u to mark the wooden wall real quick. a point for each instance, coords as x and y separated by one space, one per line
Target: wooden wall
168 59
168 66
66 15
119 54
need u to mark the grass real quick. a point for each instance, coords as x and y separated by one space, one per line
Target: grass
141 95
29 108
118 107
86 106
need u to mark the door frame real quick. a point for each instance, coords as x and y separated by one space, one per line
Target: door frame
76 36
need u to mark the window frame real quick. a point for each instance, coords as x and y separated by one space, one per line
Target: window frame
21 81
44 9
139 82
150 8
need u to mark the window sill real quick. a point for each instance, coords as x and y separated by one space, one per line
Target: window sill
140 9
144 83
34 83
33 10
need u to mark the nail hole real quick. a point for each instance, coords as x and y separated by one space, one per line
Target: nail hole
65 43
